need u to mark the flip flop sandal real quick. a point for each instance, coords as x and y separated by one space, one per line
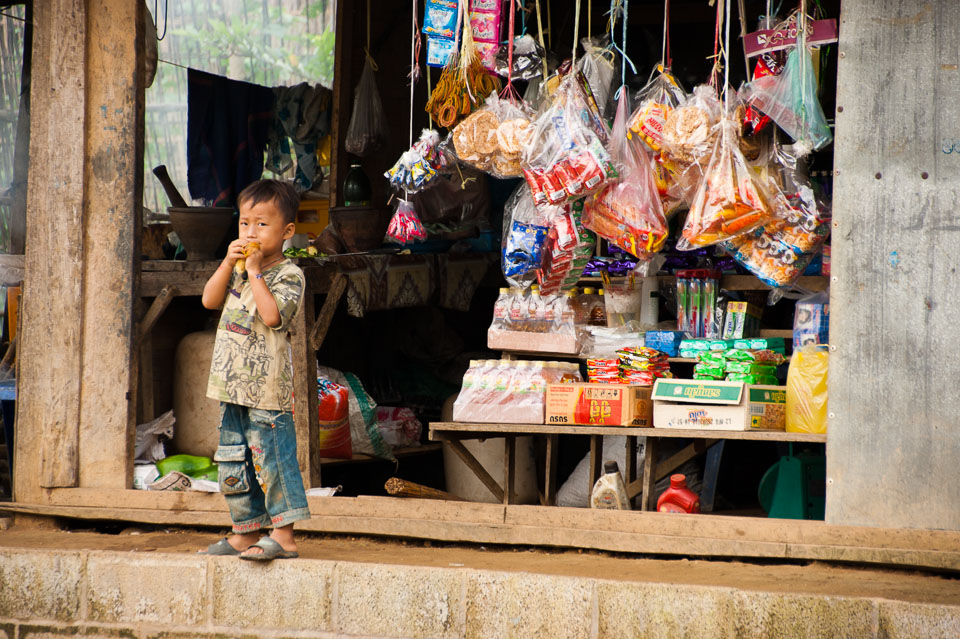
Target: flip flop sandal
271 550
222 548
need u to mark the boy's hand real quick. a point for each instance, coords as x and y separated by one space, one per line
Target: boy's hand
253 261
234 253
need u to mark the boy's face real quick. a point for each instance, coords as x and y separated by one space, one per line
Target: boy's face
263 223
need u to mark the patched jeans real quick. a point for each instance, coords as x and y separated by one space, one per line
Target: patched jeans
259 475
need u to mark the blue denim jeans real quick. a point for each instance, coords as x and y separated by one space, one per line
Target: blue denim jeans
259 475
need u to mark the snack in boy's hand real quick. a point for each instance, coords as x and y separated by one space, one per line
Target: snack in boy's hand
241 264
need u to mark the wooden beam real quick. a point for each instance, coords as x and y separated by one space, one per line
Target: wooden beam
320 327
632 532
305 393
439 430
467 457
550 482
509 469
342 98
157 307
113 179
47 446
667 466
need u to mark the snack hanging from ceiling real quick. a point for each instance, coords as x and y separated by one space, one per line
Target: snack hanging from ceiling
492 138
463 85
567 159
628 211
418 167
730 200
661 95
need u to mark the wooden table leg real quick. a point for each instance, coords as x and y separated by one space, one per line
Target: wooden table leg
477 468
630 464
596 461
648 500
305 415
509 468
550 482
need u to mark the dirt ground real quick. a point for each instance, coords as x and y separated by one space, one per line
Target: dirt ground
812 577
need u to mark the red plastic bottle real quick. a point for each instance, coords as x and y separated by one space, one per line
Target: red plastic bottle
678 498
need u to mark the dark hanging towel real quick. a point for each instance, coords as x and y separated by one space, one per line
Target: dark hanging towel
227 126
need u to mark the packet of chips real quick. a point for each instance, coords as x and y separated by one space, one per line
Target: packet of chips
730 199
759 356
567 158
656 100
764 380
628 211
492 138
751 368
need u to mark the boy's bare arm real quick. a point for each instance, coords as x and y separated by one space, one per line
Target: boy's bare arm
262 297
215 290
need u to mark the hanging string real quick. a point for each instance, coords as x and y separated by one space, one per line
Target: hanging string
414 68
550 24
589 18
542 45
166 7
620 8
726 54
576 34
523 17
509 91
665 61
715 70
366 49
802 52
429 93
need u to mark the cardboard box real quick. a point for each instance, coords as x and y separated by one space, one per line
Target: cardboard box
716 405
743 320
599 405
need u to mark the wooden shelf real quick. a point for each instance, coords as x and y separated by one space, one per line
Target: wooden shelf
739 282
439 431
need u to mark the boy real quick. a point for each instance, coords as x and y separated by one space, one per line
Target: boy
252 377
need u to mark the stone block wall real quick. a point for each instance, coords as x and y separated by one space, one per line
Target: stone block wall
52 594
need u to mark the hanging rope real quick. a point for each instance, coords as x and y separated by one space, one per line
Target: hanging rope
509 91
542 45
576 34
414 55
665 61
366 49
619 9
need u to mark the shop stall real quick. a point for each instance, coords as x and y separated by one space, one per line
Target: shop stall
660 254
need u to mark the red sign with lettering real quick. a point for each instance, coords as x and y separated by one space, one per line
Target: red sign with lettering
820 32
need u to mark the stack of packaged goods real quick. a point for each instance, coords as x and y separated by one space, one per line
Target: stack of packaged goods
603 370
739 365
509 391
568 247
690 348
641 366
665 341
527 320
775 344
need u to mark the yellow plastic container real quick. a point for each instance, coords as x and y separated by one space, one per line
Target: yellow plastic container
807 390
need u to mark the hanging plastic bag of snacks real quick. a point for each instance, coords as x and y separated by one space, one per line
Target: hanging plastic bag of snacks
628 211
492 138
730 199
367 131
568 159
657 100
779 252
689 133
790 99
527 59
525 228
567 249
405 225
598 65
463 85
419 166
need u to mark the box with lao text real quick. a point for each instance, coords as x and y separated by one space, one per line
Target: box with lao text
717 405
599 404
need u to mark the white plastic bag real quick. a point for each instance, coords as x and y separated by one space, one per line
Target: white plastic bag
368 124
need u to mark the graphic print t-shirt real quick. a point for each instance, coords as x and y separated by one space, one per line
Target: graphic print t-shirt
251 361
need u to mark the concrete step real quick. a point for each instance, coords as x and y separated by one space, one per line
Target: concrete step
52 585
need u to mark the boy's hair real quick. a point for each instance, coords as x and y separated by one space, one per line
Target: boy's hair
284 197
